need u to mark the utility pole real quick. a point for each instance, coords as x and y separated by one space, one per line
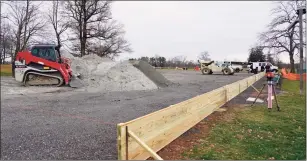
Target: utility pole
26 25
0 18
1 35
301 11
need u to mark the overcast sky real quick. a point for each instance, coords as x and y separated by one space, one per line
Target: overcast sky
226 30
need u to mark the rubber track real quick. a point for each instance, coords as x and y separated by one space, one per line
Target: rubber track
53 75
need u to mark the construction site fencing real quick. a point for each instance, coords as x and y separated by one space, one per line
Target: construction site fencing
142 137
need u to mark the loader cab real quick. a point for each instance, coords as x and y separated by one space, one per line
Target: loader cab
227 62
224 65
47 52
219 63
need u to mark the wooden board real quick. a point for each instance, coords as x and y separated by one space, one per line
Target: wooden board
159 128
121 141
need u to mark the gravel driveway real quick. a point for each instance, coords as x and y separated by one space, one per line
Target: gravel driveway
59 124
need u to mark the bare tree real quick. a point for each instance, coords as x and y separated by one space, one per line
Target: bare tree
277 38
4 34
6 42
204 56
179 61
96 32
191 64
113 45
58 24
269 58
26 23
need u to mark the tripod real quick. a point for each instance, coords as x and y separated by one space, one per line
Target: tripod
271 88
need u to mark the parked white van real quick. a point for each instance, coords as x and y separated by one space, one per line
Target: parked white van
255 67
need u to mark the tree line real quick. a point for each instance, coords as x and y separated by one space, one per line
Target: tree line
160 61
83 26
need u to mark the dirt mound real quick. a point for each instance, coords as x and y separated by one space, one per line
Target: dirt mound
151 73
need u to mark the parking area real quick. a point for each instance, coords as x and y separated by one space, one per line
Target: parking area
61 123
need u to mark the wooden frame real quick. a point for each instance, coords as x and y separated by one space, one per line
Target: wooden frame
150 133
146 147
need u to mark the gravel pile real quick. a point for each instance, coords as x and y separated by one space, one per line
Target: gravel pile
152 74
104 75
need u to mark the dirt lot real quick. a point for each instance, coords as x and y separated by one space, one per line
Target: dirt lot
60 123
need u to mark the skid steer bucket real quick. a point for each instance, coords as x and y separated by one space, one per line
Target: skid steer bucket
75 82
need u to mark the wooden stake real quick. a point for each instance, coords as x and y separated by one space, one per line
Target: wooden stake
226 98
144 145
120 141
255 88
127 135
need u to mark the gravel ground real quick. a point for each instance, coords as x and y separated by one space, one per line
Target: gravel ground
65 124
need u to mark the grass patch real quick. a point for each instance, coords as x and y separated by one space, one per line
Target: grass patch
6 69
256 133
292 86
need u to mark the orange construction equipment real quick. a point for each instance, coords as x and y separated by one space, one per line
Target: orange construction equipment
196 68
292 76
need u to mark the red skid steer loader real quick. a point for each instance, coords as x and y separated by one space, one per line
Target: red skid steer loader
43 65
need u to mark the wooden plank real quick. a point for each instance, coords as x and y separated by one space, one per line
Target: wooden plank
173 110
226 93
242 85
233 93
121 142
171 106
168 133
126 142
159 128
175 119
233 90
146 147
170 115
255 88
251 80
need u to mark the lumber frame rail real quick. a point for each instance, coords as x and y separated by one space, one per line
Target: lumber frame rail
142 137
146 147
